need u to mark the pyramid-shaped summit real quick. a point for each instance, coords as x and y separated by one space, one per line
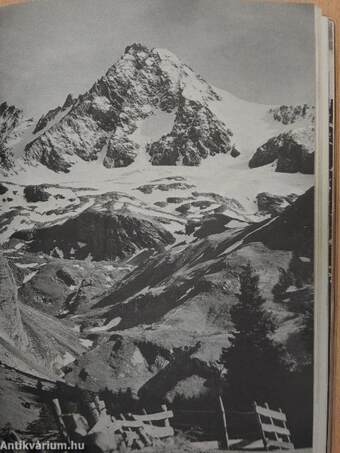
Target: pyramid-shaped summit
104 121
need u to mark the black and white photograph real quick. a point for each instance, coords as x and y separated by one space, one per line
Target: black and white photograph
157 226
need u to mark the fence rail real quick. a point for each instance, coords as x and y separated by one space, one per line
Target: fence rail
142 430
275 434
137 430
266 412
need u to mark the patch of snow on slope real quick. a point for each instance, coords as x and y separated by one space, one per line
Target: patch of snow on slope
113 323
251 123
153 128
67 359
86 343
26 265
26 219
29 276
137 358
305 136
237 244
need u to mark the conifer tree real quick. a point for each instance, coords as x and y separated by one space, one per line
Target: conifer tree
253 361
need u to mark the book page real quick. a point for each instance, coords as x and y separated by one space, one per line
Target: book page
162 201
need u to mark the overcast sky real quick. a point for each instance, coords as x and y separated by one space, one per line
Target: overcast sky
49 48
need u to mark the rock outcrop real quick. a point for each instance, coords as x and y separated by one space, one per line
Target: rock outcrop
290 114
3 189
28 338
103 233
60 287
33 194
12 126
116 363
197 134
291 151
293 229
274 204
52 114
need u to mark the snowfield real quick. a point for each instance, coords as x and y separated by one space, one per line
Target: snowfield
72 193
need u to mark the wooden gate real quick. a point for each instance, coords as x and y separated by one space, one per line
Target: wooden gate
273 426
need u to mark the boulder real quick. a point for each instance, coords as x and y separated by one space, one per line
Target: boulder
33 194
273 204
3 189
234 152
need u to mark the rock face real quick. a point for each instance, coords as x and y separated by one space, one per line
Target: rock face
62 286
290 114
196 134
103 233
117 363
3 189
52 114
36 193
11 326
165 186
142 83
12 126
273 204
29 338
291 151
293 229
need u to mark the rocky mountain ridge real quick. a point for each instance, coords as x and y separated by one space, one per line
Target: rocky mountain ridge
179 297
166 298
51 115
152 109
142 82
103 233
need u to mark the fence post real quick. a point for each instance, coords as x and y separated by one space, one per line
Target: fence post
258 418
272 423
144 436
166 421
225 437
285 426
60 419
147 422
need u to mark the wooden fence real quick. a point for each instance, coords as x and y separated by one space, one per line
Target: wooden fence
136 430
261 428
273 426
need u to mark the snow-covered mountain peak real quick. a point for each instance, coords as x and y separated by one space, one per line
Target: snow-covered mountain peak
140 85
141 51
162 69
151 109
